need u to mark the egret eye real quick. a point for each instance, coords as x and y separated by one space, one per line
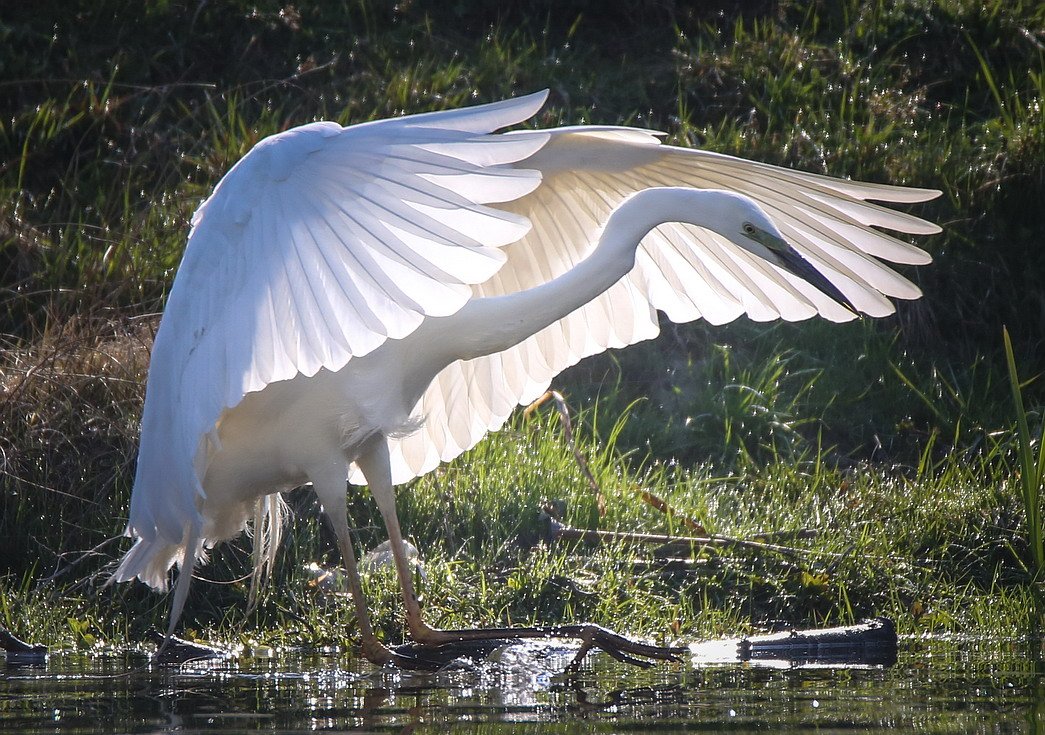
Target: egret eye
748 228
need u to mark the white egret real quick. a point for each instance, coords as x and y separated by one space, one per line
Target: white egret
362 303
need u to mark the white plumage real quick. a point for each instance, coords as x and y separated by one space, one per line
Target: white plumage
363 300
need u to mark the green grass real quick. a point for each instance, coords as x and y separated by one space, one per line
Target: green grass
939 549
1031 475
894 440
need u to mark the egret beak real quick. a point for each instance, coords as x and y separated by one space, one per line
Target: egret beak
792 261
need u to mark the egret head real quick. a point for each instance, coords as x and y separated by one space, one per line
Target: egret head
751 228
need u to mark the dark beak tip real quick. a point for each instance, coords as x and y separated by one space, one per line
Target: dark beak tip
797 265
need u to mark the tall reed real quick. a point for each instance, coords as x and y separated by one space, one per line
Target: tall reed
1031 464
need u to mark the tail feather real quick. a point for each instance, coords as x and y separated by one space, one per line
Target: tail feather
269 515
149 560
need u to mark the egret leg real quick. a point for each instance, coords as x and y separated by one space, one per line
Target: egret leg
330 487
373 462
434 643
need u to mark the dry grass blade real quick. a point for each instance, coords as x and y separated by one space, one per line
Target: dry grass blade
567 430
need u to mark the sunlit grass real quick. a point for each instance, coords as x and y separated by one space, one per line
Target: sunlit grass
935 550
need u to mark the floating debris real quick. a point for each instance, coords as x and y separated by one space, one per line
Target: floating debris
18 650
872 643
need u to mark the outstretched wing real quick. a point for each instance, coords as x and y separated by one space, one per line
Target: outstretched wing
687 272
319 245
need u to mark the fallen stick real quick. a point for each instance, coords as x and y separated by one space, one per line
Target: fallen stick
870 642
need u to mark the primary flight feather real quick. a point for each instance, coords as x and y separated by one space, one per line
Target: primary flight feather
366 302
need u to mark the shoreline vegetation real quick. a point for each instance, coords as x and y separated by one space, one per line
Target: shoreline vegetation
878 468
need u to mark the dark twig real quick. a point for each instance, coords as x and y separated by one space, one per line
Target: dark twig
559 530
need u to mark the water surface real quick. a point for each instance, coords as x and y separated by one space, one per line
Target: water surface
937 686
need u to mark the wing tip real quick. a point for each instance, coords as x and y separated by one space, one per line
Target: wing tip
924 195
895 193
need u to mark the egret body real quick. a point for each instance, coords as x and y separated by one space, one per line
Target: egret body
364 303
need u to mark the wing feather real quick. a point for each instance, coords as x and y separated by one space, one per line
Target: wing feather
328 241
316 247
684 271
